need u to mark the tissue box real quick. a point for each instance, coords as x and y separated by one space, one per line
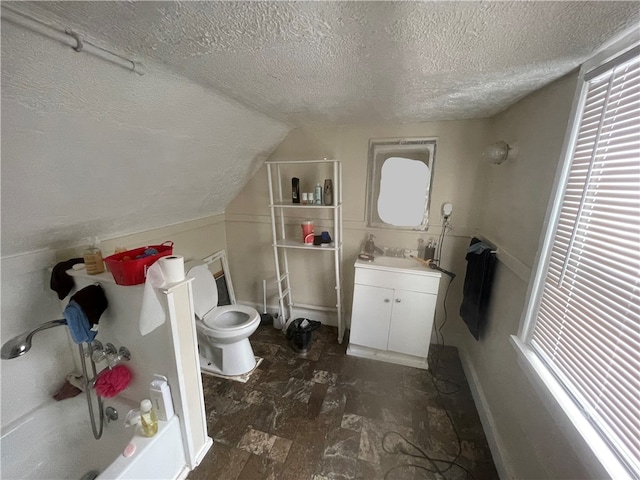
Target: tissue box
129 270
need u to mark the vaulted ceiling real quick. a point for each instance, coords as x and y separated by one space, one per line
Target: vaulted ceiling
352 62
92 149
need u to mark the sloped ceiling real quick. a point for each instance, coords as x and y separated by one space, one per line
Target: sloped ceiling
91 149
353 62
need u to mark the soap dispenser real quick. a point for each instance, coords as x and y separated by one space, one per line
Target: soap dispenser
93 259
148 419
369 246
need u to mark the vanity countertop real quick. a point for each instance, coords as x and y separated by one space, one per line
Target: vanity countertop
404 265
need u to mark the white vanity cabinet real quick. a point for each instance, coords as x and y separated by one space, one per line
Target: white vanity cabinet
394 304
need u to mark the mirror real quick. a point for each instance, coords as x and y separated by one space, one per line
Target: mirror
399 183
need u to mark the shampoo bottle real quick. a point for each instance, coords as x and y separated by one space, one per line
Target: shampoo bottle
318 194
148 418
160 394
295 190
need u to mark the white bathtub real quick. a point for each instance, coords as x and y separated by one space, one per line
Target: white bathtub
56 442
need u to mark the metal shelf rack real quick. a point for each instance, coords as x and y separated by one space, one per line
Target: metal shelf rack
280 202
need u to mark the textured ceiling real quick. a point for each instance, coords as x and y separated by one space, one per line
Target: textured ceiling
353 62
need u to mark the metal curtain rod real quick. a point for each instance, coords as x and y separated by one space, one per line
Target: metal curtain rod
70 38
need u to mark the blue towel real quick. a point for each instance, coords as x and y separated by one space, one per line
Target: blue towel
78 323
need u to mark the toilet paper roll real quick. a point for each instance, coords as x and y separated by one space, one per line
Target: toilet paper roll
172 268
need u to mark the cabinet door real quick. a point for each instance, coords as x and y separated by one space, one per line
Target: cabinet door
370 316
411 322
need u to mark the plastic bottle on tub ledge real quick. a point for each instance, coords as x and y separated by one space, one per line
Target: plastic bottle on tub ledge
148 419
160 394
93 259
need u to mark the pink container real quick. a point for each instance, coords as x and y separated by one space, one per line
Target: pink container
307 232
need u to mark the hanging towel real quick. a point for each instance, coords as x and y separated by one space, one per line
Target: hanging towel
60 282
83 313
78 324
93 302
477 285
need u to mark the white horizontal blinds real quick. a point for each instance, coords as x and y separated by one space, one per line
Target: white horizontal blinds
588 323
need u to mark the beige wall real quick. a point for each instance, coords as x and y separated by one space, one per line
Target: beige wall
514 198
505 203
459 147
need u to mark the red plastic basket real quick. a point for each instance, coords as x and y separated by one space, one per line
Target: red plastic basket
129 270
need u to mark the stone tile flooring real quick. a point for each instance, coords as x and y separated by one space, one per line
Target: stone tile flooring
326 415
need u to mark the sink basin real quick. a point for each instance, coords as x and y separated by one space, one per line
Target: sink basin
395 263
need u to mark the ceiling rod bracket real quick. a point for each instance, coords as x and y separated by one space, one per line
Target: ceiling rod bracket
79 45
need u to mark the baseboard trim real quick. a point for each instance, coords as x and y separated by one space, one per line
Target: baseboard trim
324 317
496 445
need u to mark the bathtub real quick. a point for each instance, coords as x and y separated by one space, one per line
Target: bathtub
56 442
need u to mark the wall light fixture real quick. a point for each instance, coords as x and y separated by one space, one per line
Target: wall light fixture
498 152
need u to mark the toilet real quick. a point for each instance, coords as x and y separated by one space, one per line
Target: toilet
223 332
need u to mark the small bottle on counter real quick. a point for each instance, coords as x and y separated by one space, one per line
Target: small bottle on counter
148 419
305 198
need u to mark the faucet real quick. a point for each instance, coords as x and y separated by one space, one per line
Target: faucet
21 344
111 413
108 352
370 247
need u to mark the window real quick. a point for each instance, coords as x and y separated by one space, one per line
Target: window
582 324
399 186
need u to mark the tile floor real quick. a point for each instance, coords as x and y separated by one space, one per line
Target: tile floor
326 415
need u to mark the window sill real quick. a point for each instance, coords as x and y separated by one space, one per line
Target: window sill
579 432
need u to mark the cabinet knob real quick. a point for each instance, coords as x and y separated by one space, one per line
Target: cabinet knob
398 300
386 300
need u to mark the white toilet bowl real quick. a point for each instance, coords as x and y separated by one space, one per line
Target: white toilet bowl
223 332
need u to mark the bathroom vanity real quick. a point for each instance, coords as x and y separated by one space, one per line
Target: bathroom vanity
394 304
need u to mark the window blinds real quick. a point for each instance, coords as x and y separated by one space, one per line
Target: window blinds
587 329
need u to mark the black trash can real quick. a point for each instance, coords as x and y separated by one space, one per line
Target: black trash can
300 333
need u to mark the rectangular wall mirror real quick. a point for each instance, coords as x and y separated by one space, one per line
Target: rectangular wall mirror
400 174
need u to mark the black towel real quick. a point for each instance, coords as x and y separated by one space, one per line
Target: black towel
93 302
60 282
477 287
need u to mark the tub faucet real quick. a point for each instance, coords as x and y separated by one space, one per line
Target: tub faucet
111 413
109 352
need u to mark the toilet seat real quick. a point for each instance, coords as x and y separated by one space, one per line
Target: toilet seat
205 291
229 318
212 319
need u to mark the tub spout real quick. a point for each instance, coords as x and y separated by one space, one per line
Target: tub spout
21 344
111 413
